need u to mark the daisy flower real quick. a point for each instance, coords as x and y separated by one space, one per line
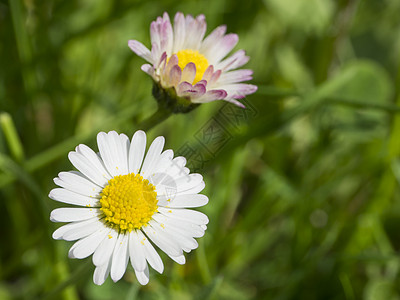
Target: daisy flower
190 68
128 202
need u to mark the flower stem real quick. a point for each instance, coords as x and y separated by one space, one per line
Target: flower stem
159 116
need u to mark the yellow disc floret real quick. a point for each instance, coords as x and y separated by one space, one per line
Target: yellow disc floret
186 56
128 202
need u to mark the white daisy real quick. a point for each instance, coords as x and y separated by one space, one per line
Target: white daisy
194 68
127 206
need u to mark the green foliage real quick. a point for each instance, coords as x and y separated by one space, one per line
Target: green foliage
303 187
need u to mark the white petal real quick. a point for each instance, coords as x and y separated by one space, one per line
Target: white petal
88 168
101 273
86 246
141 50
176 167
94 159
165 161
194 190
188 215
179 259
113 151
178 235
188 182
151 254
66 196
72 214
186 228
83 231
124 154
161 240
136 151
104 251
136 251
59 232
143 277
120 258
193 200
165 187
152 156
78 183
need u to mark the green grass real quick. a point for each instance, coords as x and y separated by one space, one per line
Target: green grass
303 185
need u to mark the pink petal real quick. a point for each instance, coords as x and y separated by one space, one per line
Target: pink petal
175 75
189 72
237 103
141 50
185 89
173 60
179 32
195 30
220 49
183 86
200 88
239 90
156 53
155 33
234 61
215 76
235 76
208 73
213 38
211 96
149 70
161 33
167 35
203 82
163 60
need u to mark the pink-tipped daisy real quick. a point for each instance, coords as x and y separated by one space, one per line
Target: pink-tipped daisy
128 203
193 68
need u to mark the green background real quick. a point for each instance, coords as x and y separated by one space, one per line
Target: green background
303 185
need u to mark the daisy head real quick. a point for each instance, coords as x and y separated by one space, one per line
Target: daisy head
189 69
128 202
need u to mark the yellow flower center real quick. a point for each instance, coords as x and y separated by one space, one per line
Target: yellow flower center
128 202
186 56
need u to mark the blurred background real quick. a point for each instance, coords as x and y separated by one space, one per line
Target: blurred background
303 184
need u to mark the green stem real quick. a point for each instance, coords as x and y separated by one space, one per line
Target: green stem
159 116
